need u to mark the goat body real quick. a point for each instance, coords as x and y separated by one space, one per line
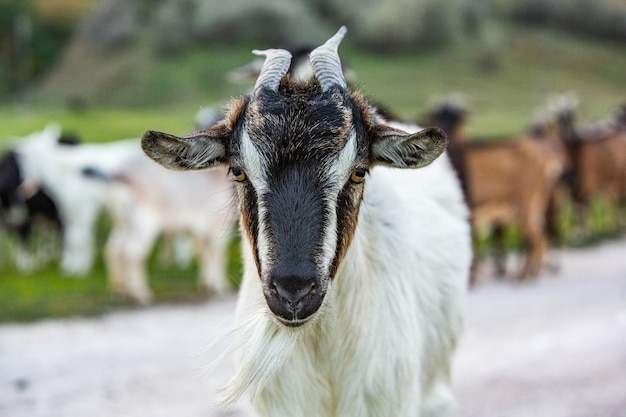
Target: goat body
511 184
508 182
145 201
598 167
597 156
391 322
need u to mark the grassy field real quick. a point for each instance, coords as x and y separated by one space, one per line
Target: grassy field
46 292
531 64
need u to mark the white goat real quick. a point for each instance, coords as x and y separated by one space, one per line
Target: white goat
57 169
145 200
353 283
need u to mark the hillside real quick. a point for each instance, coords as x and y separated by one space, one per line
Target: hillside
525 65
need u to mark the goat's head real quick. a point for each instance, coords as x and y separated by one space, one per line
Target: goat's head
299 154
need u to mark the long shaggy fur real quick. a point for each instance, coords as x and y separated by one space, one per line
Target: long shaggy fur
382 343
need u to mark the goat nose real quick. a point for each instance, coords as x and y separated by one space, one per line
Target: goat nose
294 290
294 298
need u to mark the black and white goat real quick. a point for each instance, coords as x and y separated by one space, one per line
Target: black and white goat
354 270
48 165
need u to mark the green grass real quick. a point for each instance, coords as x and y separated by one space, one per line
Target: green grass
169 92
93 125
45 292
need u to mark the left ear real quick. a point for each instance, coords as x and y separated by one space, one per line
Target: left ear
201 150
396 148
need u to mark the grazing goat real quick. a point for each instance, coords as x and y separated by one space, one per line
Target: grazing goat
508 182
55 167
144 201
597 156
354 270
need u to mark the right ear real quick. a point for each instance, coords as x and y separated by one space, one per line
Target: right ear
201 150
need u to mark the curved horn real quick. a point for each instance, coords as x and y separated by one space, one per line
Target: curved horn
326 64
276 65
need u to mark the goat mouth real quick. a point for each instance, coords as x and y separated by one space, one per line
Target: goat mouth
293 323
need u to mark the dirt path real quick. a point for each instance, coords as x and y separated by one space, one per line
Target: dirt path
553 348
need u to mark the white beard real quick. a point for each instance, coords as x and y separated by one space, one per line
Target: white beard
264 346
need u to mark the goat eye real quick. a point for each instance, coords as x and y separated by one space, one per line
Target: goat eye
238 174
358 175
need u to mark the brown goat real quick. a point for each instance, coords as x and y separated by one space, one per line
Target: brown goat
597 158
508 183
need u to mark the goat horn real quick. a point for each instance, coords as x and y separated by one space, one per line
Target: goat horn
276 65
326 64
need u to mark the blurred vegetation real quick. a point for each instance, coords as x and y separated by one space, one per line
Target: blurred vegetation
530 64
32 35
115 49
602 19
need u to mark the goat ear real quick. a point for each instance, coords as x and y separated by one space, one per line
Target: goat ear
201 150
396 148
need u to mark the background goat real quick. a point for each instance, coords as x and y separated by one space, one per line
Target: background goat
596 155
56 168
145 201
351 297
508 182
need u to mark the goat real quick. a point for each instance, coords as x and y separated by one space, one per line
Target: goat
144 200
56 168
354 270
596 155
507 182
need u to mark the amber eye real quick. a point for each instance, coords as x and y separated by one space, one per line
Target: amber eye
358 175
238 174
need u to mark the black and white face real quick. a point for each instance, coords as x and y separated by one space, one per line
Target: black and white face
299 154
299 162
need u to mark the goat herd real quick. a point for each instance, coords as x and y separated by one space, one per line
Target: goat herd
521 181
526 181
69 184
354 270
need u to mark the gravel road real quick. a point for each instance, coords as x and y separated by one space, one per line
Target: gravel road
551 348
